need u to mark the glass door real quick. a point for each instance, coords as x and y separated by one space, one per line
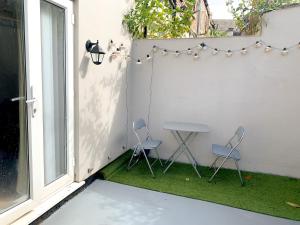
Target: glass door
14 163
36 103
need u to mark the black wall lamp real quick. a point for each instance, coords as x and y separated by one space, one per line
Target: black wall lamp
97 54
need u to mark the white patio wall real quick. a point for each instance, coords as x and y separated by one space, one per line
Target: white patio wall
99 90
259 91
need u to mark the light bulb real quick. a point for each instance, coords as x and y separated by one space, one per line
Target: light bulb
122 47
284 52
164 52
229 53
244 51
154 48
196 56
258 44
110 44
199 46
215 51
268 48
204 46
177 53
148 57
189 51
139 62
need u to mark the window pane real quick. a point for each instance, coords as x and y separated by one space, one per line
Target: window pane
54 90
14 176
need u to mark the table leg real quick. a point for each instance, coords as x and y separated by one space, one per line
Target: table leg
193 163
188 153
173 160
187 148
180 145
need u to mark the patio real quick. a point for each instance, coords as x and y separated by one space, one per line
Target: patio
262 193
107 203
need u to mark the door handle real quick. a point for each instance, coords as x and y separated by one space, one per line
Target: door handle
30 102
33 100
17 99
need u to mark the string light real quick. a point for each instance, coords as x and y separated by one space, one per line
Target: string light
138 62
284 52
177 53
148 57
244 51
268 48
215 51
110 44
195 54
204 46
122 47
128 58
258 44
229 53
164 52
199 46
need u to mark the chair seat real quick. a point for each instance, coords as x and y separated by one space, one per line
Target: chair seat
222 151
151 144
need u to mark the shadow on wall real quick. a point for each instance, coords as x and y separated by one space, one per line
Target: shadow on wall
84 65
102 116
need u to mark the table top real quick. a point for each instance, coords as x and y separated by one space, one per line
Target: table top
186 127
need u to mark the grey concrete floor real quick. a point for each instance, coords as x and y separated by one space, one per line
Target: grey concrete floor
107 203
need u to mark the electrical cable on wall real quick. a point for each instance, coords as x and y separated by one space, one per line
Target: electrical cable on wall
126 105
150 92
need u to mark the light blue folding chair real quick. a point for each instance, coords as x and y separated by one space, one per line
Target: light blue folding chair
145 143
229 151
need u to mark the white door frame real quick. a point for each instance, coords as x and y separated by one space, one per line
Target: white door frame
38 191
44 191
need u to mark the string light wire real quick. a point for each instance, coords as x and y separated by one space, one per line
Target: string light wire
204 47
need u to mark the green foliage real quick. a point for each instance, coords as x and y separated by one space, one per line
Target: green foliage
216 33
158 19
247 14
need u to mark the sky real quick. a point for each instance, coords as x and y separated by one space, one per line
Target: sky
219 9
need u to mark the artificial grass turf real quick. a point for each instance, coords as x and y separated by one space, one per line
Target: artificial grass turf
262 193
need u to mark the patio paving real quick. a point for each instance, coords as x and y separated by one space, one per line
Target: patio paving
108 203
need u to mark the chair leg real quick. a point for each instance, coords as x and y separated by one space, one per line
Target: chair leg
156 151
212 177
129 166
214 162
148 162
239 172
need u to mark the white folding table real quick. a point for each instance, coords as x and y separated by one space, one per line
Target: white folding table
191 128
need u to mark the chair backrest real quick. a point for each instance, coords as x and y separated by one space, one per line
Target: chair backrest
139 124
140 130
237 139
